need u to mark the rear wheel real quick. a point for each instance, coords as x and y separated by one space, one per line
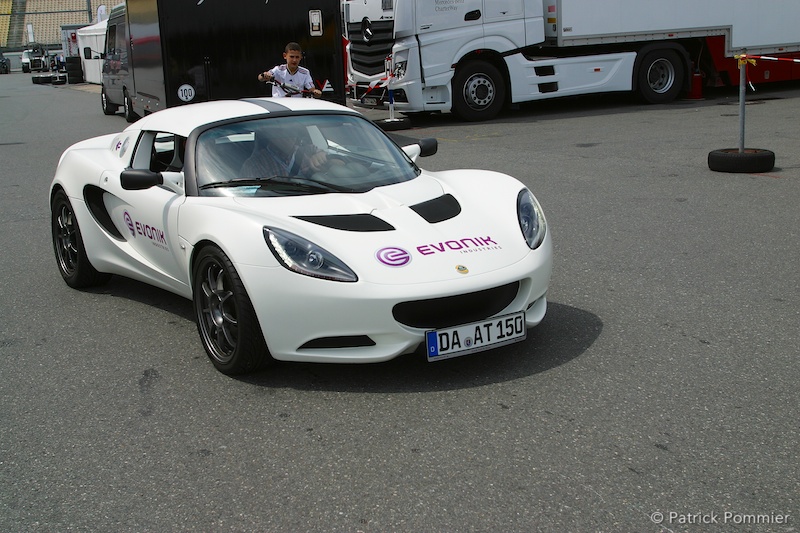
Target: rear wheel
660 76
226 320
479 91
127 105
70 253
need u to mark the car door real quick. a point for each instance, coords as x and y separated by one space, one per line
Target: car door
148 218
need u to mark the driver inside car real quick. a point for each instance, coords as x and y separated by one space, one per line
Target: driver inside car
283 151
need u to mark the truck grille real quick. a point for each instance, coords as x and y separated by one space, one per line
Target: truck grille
368 58
454 310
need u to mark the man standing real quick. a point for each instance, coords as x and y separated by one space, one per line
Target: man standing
290 79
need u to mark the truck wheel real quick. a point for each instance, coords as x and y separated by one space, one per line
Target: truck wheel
660 76
479 91
108 107
127 106
750 161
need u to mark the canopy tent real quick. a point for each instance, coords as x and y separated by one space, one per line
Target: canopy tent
93 37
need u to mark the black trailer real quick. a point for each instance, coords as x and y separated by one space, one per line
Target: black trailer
163 53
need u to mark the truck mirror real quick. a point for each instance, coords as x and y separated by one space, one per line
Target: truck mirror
87 52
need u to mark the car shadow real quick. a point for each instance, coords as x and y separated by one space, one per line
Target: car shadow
565 334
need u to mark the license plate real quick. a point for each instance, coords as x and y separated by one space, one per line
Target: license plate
475 337
369 101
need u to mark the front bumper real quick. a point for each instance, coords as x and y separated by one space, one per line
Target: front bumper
322 321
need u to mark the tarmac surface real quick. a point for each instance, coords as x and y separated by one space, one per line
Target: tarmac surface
660 393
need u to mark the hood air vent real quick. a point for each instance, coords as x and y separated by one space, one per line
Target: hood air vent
439 209
359 222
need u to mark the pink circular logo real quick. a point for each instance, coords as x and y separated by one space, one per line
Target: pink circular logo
129 223
393 257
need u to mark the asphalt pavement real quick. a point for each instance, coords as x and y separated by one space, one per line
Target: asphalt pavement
659 394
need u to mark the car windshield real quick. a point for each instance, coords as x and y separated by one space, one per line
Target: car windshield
297 155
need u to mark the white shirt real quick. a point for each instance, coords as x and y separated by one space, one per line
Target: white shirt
301 79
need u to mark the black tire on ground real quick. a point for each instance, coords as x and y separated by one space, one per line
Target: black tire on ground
750 161
394 124
660 76
74 69
72 60
26 68
71 258
108 107
226 320
74 78
479 91
127 105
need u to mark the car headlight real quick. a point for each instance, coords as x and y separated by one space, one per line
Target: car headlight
531 219
304 257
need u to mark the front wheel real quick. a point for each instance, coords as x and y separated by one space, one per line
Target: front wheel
71 257
108 107
479 91
226 320
660 76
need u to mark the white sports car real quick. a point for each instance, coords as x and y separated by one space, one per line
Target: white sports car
302 232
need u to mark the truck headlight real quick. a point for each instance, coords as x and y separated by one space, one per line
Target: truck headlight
400 69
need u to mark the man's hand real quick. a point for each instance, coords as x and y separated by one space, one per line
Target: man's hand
265 76
317 93
317 160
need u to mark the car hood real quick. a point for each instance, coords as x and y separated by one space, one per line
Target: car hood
436 227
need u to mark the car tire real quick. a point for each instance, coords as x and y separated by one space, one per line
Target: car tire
750 161
226 320
479 91
71 258
108 107
127 105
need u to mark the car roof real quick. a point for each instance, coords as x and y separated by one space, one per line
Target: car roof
182 120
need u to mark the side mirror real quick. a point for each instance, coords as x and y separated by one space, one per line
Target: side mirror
428 146
423 148
139 180
87 52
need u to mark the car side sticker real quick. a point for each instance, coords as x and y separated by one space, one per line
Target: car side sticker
156 236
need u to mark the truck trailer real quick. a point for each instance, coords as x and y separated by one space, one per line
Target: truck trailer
473 57
163 53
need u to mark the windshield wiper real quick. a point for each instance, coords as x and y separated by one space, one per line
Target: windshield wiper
298 181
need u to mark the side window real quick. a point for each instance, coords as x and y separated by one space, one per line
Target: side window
160 152
111 40
122 46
